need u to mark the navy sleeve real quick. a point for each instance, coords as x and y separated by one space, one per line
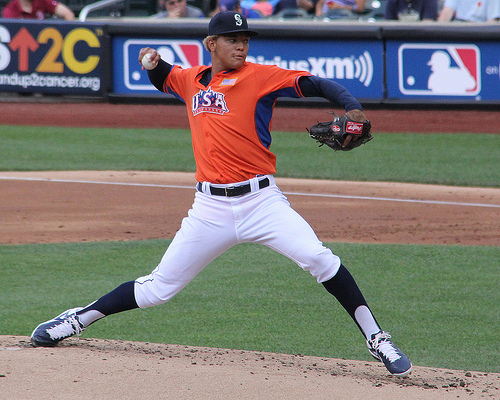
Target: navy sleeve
158 75
313 86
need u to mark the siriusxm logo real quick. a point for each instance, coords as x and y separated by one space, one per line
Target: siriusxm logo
185 53
439 69
360 68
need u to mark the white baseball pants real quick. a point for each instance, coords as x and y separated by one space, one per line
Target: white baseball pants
216 223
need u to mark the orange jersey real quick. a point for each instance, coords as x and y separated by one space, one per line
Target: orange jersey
230 119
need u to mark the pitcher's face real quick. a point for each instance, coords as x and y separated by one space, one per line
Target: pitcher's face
230 51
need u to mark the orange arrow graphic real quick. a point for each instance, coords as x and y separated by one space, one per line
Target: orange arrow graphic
24 42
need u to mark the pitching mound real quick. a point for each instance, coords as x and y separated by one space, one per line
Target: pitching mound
108 369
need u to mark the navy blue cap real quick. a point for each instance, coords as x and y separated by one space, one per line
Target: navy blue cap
227 22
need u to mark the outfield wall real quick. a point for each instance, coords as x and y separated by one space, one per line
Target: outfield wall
380 63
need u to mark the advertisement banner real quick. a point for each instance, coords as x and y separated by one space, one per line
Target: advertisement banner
358 65
128 76
458 71
51 57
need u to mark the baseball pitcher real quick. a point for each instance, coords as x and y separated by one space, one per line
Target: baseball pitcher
230 106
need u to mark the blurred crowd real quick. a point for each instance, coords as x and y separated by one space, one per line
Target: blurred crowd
368 10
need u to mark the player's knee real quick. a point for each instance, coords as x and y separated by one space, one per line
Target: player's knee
322 266
150 291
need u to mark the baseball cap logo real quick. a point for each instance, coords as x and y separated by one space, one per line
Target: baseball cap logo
227 22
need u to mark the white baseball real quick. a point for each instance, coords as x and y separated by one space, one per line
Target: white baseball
146 61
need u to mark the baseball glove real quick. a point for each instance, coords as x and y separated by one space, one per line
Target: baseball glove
334 133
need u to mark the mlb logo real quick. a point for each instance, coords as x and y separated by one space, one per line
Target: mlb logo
439 70
185 53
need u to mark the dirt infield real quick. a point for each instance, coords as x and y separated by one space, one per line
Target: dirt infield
285 118
79 206
46 207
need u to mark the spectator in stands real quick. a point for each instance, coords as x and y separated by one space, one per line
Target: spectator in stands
37 9
411 10
329 7
235 5
307 5
179 9
264 7
470 10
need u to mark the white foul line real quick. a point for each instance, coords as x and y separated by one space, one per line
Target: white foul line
96 182
343 196
340 196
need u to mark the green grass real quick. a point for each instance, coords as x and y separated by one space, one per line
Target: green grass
439 302
52 148
451 159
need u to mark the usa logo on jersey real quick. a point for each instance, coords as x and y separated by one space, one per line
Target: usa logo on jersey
209 101
439 69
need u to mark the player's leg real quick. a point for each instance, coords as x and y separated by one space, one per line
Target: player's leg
283 229
203 236
346 291
75 320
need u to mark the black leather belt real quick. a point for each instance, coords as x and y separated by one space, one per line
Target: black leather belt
232 191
